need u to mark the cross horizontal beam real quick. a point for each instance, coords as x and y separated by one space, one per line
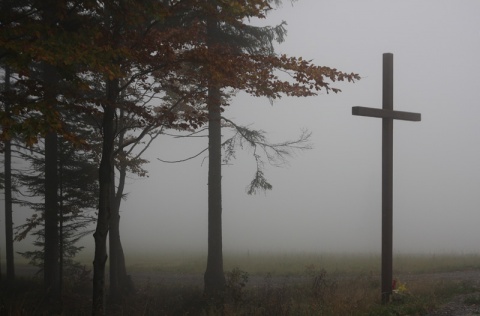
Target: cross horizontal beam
383 113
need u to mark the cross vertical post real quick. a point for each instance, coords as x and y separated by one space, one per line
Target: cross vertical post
387 180
388 115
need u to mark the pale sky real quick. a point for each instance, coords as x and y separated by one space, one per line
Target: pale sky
329 198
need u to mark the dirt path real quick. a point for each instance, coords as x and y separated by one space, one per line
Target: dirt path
461 305
458 307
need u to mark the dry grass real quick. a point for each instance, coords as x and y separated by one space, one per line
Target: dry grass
286 284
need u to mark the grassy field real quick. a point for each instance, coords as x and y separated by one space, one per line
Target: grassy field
331 284
282 264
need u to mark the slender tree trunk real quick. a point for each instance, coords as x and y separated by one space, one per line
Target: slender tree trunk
50 79
113 234
214 276
51 256
125 280
9 214
61 249
120 282
104 208
8 193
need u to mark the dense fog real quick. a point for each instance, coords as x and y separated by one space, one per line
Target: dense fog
328 199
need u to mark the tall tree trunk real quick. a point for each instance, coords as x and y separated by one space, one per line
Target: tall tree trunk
61 248
120 282
50 79
125 280
113 233
8 192
51 256
214 277
104 207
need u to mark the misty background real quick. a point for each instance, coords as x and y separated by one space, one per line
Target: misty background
328 199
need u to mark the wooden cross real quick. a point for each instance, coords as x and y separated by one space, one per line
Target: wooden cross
388 115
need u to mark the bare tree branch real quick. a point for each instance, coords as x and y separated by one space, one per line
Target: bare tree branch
183 160
276 154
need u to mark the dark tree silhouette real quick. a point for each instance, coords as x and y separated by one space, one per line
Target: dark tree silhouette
77 198
233 55
51 260
8 186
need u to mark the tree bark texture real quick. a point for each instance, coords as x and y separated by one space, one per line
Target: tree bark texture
104 208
